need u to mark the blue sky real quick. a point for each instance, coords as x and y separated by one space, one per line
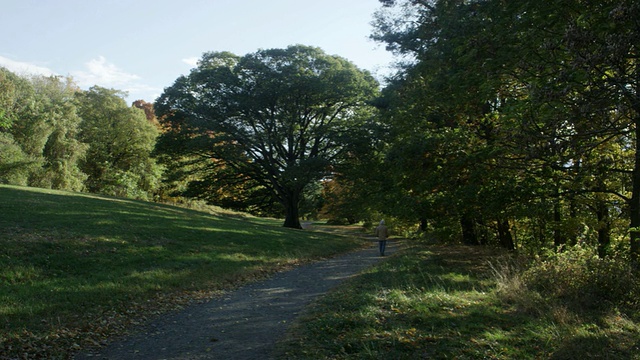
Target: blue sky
142 46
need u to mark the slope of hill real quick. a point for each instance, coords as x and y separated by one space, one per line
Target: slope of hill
75 268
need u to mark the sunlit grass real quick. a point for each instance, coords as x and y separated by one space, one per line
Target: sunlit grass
440 302
75 268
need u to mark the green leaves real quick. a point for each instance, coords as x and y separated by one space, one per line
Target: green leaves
120 141
277 117
40 123
541 93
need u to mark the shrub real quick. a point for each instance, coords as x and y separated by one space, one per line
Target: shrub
584 281
511 287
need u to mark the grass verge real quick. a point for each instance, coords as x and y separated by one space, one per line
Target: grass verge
78 268
443 302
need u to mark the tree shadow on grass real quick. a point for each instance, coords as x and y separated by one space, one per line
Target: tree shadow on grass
438 303
65 253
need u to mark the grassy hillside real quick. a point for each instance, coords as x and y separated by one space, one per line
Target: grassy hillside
75 268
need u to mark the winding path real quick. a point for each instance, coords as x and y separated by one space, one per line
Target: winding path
245 323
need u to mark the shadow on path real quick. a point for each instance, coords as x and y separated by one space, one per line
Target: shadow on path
245 323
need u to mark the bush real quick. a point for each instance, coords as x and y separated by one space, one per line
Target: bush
511 287
583 281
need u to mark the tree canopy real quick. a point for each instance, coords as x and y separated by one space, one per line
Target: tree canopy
55 135
519 114
38 132
121 140
275 120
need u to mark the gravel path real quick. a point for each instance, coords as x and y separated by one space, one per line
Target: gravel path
245 323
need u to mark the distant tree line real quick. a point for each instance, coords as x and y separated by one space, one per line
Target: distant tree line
54 135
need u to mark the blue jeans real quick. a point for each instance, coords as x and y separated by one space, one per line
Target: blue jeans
383 245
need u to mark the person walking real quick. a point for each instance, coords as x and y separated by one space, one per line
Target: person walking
382 233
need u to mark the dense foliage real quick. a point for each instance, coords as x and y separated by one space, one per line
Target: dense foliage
517 119
38 132
121 141
54 135
264 125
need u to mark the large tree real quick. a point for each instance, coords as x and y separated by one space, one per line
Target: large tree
278 119
16 99
61 149
121 141
38 132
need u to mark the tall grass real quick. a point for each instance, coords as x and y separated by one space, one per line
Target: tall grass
449 302
76 268
591 303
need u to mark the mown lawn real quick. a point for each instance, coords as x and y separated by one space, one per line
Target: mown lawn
77 268
442 302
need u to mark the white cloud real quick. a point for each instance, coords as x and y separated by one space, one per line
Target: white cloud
103 73
143 92
192 61
25 68
96 72
100 72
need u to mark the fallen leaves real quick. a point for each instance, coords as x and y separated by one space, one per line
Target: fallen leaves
93 330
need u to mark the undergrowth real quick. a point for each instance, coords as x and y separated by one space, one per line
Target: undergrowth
592 303
583 281
457 302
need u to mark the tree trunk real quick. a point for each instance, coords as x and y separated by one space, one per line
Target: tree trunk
504 234
634 206
573 214
604 228
292 210
559 238
469 234
424 225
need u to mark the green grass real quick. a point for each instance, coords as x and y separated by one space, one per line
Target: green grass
77 268
442 302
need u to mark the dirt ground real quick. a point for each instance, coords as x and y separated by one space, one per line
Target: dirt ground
245 323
